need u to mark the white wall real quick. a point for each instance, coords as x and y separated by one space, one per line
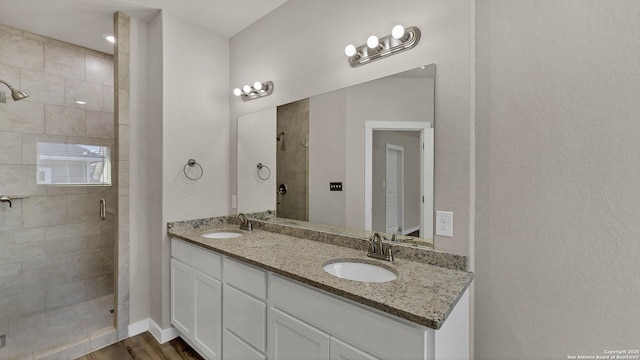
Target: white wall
305 57
256 194
558 149
195 113
327 160
146 160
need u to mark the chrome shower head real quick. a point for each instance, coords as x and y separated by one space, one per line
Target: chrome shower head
15 93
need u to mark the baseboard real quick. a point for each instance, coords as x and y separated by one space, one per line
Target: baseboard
139 327
162 336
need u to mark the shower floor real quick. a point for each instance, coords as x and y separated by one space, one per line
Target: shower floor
61 333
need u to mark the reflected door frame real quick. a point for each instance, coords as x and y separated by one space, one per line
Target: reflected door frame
394 177
426 175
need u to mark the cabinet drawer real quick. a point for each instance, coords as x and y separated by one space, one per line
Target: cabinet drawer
235 349
245 316
395 339
251 280
197 257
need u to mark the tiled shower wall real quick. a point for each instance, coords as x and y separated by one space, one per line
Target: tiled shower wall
292 160
54 249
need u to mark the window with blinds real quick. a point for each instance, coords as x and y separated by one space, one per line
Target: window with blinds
73 164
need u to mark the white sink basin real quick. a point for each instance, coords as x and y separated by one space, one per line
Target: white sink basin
359 271
222 235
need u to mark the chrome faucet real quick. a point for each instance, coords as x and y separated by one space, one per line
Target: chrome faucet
5 198
378 249
245 224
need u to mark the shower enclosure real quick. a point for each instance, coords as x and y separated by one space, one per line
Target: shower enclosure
57 220
292 160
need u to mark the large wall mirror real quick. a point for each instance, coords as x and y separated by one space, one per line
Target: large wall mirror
354 160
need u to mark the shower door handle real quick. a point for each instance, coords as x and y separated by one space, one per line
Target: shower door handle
103 209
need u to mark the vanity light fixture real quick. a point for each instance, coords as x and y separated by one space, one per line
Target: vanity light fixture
401 39
258 90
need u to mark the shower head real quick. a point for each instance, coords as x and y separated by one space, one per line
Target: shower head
15 93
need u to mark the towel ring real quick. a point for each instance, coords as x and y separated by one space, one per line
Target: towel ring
260 166
192 163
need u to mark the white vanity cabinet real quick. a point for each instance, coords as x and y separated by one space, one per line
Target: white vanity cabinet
196 296
244 311
234 311
356 332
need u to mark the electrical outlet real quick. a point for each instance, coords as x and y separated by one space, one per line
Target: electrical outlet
335 186
444 223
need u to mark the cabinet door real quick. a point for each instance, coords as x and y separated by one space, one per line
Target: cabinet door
292 339
343 351
207 298
182 306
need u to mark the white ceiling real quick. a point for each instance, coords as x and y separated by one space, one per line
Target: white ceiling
83 22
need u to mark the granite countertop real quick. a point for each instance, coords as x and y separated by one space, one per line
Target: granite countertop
424 294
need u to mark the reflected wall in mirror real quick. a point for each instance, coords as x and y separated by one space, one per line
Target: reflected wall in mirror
359 159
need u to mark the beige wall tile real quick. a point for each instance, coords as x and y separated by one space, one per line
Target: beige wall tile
123 177
99 70
99 124
103 240
23 116
68 230
20 245
85 265
123 72
123 107
123 141
42 87
123 35
30 185
10 217
88 92
10 180
64 62
10 148
42 272
10 74
10 279
42 211
107 99
65 246
99 286
22 305
84 208
29 146
66 121
65 294
21 52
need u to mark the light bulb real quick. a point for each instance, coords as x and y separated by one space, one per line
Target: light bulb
397 31
373 42
237 92
257 85
350 50
246 89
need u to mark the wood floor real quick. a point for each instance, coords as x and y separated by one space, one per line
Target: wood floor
145 347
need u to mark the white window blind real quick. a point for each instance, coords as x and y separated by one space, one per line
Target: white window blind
73 164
